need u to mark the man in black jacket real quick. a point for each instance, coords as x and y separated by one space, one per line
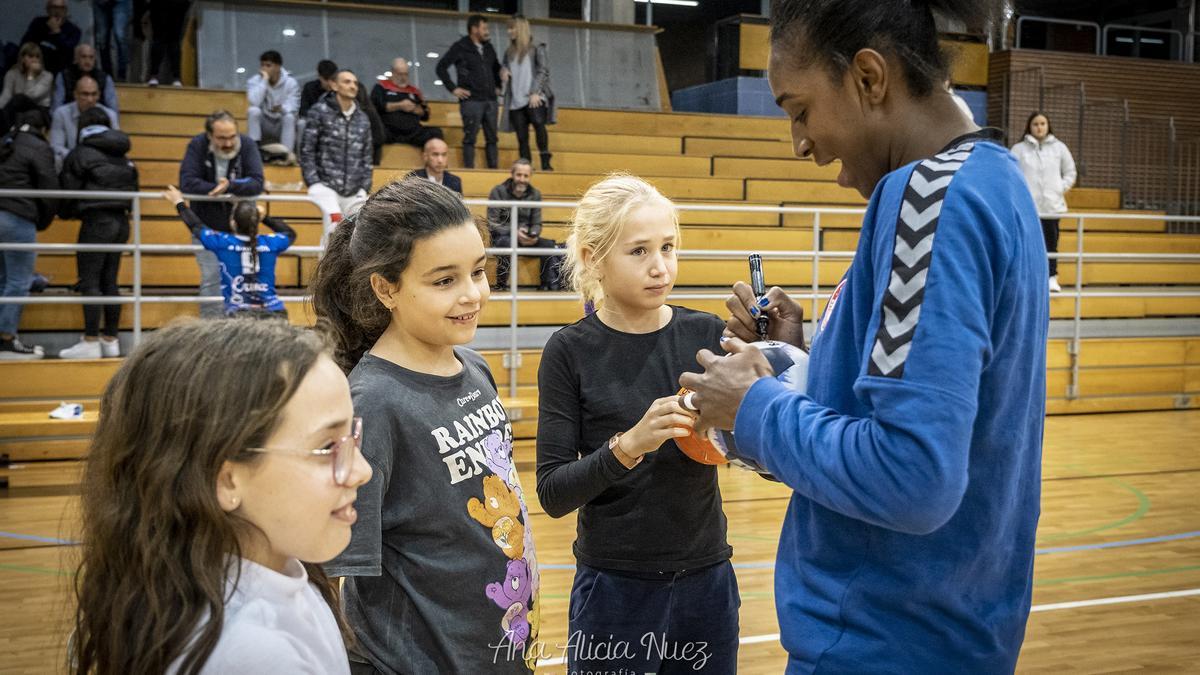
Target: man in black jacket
312 91
26 162
99 163
477 82
219 161
518 187
55 34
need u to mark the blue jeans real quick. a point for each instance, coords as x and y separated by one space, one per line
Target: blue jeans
112 19
680 623
210 282
16 267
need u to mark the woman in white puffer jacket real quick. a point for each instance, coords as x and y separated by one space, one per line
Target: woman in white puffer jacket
1050 171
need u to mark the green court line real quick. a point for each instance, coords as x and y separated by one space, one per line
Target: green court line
1118 575
1142 508
35 570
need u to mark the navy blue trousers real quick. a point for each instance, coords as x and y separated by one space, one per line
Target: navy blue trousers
680 623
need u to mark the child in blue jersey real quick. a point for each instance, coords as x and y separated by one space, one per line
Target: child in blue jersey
915 454
247 272
653 559
441 575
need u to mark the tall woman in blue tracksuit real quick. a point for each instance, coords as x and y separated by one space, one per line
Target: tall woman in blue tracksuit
247 272
915 454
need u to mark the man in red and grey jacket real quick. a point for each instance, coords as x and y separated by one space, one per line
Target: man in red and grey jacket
402 108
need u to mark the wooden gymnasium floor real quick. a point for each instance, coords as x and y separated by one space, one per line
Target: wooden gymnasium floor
1117 581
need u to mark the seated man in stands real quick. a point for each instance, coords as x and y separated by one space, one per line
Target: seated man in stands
55 34
64 129
312 91
274 98
529 226
402 108
335 153
436 155
219 161
85 64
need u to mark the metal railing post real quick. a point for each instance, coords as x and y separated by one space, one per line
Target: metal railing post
1077 325
514 356
816 269
137 270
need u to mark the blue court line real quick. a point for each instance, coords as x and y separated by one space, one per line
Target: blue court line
34 537
1118 544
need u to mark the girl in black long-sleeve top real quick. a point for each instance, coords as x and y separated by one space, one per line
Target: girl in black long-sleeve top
654 588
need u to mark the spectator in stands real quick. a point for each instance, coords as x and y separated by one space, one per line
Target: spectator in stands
28 76
274 98
436 155
26 162
402 108
168 18
528 98
247 272
111 19
85 64
55 34
335 153
314 90
219 161
529 226
475 84
64 130
378 133
1050 171
99 162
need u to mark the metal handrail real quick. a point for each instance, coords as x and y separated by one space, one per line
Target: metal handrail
514 296
135 198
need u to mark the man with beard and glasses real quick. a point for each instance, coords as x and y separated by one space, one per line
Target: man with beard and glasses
218 161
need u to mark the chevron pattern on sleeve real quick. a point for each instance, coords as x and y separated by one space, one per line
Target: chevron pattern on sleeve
915 229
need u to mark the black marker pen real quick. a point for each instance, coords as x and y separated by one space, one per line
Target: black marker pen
759 286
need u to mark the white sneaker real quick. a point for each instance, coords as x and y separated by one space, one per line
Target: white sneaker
1054 287
82 350
67 411
110 348
153 82
176 83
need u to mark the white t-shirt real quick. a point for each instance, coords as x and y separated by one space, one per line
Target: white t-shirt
277 623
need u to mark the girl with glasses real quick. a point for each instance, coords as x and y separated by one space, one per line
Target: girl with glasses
202 529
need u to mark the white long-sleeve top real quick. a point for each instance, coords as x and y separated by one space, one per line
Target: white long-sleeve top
277 623
1049 171
285 93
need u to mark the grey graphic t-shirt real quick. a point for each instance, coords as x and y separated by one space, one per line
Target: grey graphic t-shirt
441 574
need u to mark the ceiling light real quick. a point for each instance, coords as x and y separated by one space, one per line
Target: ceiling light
431 55
289 32
681 3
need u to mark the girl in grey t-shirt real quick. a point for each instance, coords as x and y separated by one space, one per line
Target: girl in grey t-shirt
441 574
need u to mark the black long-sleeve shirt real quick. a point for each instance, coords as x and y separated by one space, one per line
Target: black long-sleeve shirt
663 515
476 70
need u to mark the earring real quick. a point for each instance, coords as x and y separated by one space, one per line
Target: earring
235 501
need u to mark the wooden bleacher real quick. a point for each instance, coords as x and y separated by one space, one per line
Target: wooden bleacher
692 158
